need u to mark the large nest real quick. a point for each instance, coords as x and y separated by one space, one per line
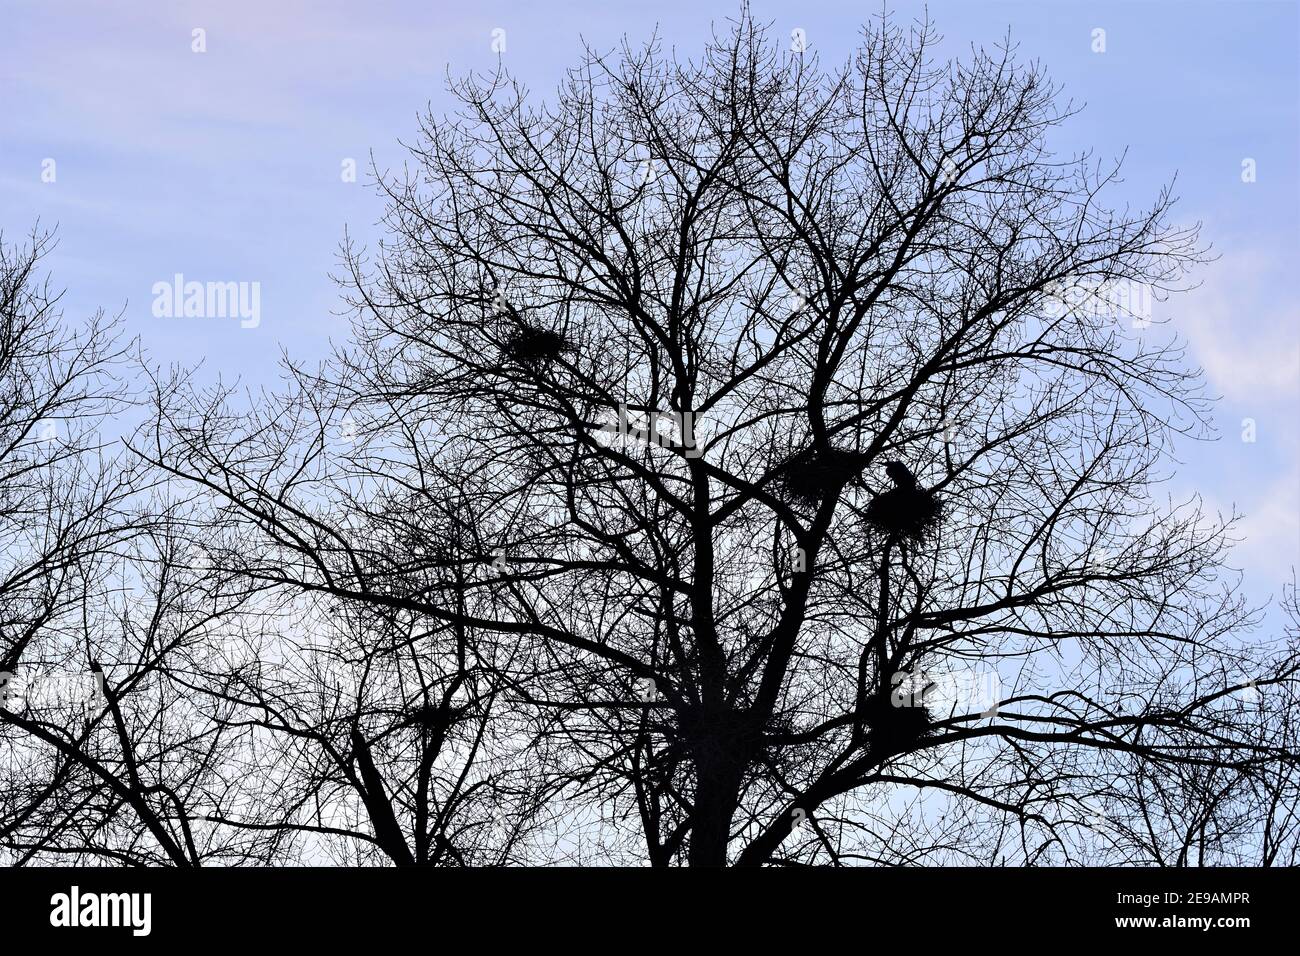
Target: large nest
895 729
911 513
534 346
812 476
722 733
428 716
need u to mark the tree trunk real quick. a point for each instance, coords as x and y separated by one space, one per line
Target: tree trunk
715 803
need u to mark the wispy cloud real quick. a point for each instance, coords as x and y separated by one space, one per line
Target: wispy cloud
1243 333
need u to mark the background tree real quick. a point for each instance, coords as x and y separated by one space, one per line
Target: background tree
100 758
386 737
388 730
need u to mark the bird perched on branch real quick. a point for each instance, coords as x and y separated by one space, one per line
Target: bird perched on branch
900 475
906 511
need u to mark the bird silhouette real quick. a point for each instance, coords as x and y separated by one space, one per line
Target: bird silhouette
900 475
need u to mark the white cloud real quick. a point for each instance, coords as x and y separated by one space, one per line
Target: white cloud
1249 345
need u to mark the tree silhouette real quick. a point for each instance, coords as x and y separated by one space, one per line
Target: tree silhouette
628 371
99 755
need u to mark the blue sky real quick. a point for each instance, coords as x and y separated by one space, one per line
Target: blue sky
225 165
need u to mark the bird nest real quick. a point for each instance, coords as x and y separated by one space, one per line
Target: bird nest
428 716
534 346
811 476
720 733
895 729
911 513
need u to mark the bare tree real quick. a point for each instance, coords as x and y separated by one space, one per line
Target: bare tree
386 739
388 730
100 757
733 411
56 502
